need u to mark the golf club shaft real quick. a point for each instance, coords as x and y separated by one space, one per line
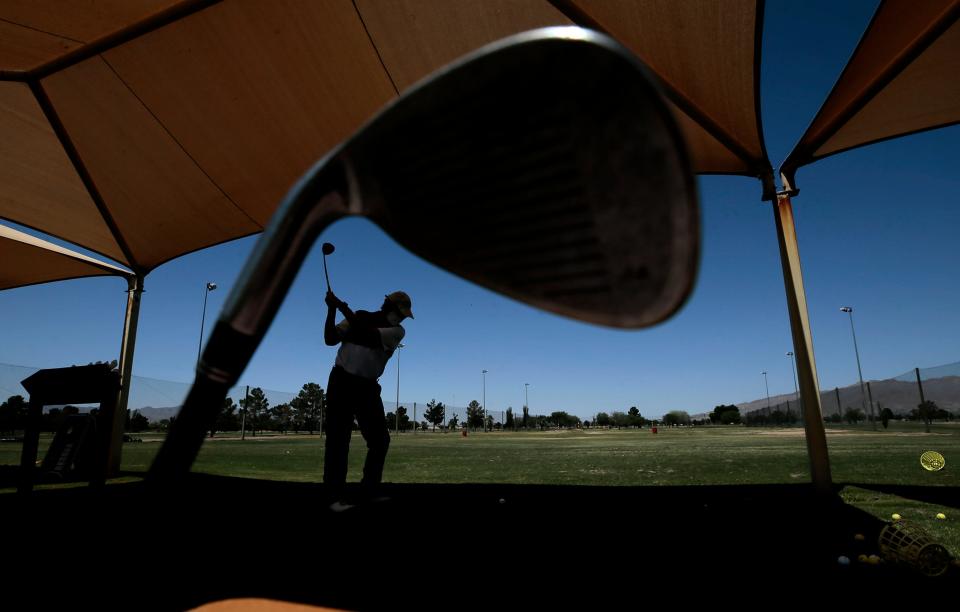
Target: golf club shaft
325 275
316 201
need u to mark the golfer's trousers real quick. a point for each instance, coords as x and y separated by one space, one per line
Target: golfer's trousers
350 397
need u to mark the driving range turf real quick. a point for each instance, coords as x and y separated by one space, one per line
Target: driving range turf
886 462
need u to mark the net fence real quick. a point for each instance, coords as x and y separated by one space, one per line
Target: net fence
157 399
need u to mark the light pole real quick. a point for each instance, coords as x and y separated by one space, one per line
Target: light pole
526 404
396 416
796 390
484 423
210 287
768 389
856 351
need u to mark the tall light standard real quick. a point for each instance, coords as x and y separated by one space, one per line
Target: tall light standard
856 351
210 287
396 419
768 389
484 424
796 390
526 404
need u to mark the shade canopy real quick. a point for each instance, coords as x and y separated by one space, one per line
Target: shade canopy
901 79
28 260
147 129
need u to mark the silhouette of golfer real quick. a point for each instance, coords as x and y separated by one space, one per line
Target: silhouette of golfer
367 341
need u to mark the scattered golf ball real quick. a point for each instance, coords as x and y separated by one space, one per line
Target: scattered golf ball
941 516
842 560
896 516
859 537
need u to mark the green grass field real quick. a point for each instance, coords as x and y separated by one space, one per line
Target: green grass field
675 456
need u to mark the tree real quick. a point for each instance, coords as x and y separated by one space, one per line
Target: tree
602 420
227 418
526 417
926 411
676 417
13 413
725 414
404 423
454 422
256 406
136 422
435 413
635 419
562 419
282 417
474 414
853 415
510 421
619 419
306 407
885 415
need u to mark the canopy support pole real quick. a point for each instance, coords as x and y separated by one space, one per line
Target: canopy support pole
134 291
802 345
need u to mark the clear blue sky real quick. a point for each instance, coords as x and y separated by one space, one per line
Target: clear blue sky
877 230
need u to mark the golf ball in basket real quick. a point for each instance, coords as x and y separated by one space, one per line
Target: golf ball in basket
842 560
859 537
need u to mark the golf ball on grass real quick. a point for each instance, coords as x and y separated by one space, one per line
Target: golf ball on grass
941 516
896 516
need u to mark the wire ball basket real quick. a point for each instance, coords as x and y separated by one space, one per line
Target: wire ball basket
908 544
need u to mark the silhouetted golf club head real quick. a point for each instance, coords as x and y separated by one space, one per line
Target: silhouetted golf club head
546 167
327 248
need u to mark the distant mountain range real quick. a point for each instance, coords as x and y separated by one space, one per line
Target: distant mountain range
900 396
155 415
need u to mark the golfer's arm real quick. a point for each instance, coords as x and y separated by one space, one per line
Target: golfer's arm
331 335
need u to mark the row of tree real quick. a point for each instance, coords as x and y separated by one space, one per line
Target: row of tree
305 412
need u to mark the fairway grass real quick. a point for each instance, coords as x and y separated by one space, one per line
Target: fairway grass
730 455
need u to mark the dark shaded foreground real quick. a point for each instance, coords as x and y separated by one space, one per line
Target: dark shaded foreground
445 547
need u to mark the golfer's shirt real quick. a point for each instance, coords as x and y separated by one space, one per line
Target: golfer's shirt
365 361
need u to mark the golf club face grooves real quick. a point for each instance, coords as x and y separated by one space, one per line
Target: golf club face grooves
550 171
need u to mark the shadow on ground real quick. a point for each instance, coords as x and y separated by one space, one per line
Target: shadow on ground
438 546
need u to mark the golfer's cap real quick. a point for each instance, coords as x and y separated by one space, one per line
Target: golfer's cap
402 301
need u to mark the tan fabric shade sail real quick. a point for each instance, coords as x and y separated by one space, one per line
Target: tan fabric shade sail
901 79
28 260
147 129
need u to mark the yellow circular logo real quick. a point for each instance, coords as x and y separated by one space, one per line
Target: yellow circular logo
932 461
